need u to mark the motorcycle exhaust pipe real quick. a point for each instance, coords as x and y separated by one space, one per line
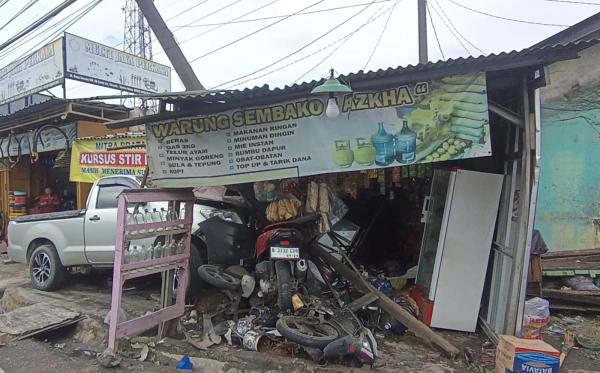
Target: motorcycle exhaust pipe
301 269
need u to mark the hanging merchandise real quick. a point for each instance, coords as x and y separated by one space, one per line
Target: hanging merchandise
396 174
283 209
384 146
265 191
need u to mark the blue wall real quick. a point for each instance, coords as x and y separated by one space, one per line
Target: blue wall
569 190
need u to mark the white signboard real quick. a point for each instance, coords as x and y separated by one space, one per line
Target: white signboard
95 63
49 140
39 71
434 121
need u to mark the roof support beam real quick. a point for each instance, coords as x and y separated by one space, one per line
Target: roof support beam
507 114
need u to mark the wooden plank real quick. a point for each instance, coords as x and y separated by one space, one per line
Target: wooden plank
587 297
51 328
570 253
569 263
142 323
413 324
363 301
572 306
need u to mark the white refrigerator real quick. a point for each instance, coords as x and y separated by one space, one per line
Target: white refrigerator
460 217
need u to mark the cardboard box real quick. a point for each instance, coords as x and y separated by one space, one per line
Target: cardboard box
516 355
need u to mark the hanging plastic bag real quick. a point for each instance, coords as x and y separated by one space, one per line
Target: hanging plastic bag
535 317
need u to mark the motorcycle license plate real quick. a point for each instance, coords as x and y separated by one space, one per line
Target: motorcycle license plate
285 252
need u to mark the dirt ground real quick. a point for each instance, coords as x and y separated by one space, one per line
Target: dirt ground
73 349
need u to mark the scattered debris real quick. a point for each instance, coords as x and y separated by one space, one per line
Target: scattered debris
3 339
108 359
35 319
185 364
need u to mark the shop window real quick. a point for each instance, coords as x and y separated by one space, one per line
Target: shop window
107 196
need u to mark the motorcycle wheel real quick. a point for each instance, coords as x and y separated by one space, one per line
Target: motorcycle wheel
215 276
306 332
284 285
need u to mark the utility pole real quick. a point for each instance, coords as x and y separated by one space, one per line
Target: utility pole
169 45
422 18
137 40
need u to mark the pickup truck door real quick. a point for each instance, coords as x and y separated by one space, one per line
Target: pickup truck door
101 219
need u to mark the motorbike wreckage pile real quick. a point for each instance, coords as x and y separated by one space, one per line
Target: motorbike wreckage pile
289 290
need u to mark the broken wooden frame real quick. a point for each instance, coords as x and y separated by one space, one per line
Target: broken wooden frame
124 271
394 310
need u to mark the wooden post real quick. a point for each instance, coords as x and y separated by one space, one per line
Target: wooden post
417 327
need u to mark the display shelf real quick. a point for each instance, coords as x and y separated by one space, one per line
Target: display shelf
139 236
156 268
162 224
153 262
124 271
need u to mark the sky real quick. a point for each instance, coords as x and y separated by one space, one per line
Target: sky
287 50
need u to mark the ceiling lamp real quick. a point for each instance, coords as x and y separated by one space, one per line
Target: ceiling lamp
331 87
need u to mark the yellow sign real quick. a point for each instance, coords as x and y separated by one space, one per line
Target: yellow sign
92 159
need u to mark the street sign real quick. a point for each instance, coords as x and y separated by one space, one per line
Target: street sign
41 70
99 64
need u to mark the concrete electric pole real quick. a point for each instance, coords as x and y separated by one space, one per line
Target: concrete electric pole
169 45
422 19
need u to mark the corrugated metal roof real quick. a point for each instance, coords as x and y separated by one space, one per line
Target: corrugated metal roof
492 62
361 80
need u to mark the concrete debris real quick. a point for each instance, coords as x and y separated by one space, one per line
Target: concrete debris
38 318
90 332
108 359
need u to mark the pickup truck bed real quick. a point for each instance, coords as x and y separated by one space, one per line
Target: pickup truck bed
50 216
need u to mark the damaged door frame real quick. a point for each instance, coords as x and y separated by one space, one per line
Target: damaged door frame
512 244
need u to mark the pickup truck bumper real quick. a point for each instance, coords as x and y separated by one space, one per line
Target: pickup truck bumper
17 253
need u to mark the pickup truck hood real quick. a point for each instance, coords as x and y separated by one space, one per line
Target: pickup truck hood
49 216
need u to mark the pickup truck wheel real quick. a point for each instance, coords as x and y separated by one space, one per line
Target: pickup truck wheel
45 269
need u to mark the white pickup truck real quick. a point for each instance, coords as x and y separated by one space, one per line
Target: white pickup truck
51 243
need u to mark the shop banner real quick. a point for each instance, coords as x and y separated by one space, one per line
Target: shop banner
92 159
37 72
49 140
423 122
99 64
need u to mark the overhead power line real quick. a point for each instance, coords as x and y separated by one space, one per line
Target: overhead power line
47 17
212 13
37 33
506 18
3 3
343 39
223 24
186 10
82 13
299 49
21 11
451 30
252 33
574 2
435 3
434 30
283 15
381 34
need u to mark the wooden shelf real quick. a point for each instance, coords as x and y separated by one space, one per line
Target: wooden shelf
148 270
171 232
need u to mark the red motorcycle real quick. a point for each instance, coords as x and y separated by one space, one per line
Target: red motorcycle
282 258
